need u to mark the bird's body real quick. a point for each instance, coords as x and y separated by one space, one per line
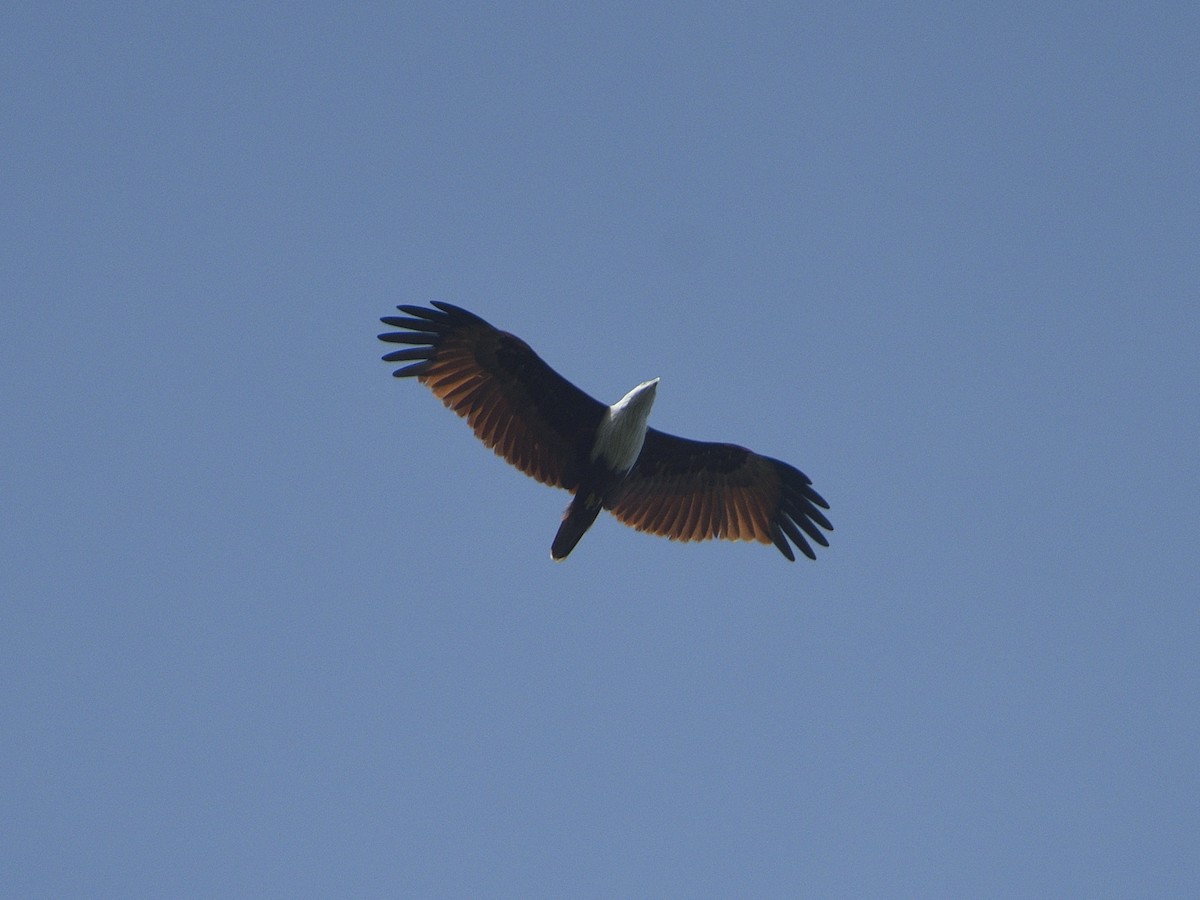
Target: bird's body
605 455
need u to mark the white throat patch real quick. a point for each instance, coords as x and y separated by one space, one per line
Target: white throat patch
623 429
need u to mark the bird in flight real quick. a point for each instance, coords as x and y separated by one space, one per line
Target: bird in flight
605 455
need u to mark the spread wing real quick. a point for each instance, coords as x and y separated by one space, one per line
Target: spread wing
695 490
516 404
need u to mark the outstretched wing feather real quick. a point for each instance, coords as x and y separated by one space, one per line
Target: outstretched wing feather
697 490
514 402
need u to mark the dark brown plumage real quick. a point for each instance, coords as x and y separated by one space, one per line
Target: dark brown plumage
545 426
695 490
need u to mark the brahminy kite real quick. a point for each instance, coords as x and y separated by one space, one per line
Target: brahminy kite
605 455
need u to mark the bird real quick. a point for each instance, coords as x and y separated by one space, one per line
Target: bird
606 456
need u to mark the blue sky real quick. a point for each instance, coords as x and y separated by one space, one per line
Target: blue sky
274 623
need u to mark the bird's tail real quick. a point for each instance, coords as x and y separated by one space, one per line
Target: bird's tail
576 520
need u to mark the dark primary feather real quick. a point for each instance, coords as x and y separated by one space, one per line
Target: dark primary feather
516 404
697 490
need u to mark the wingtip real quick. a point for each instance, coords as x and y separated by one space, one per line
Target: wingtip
451 309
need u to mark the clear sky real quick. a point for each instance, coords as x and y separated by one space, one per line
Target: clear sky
275 624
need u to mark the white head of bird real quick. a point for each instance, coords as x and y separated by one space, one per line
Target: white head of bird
623 428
